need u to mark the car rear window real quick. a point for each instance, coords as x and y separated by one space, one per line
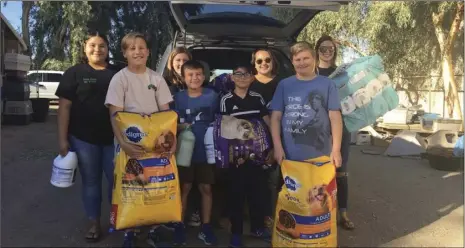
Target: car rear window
276 16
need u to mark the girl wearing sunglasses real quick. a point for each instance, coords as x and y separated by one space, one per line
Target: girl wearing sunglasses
265 83
266 78
326 57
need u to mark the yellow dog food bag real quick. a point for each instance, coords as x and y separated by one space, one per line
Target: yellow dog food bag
307 205
146 190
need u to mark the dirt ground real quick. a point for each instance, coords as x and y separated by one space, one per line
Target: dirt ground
393 201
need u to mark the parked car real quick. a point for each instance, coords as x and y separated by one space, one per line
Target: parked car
223 33
44 83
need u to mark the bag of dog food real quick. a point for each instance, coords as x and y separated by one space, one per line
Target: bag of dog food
146 190
307 205
236 139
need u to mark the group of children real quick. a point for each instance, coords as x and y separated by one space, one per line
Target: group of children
197 106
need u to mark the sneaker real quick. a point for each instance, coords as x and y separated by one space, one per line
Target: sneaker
206 235
129 240
263 234
179 234
236 241
153 237
195 220
269 222
169 226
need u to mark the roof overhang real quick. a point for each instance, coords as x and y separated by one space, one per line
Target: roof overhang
21 41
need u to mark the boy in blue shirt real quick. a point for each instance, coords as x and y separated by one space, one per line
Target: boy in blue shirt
306 121
196 108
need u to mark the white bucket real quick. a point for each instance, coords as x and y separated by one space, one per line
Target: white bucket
64 170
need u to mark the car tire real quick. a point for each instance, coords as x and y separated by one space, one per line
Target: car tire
40 108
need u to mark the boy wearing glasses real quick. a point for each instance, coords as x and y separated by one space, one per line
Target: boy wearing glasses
246 179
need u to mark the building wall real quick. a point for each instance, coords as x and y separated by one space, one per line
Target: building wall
12 45
2 50
9 43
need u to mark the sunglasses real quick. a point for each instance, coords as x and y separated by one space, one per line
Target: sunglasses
242 75
260 61
325 49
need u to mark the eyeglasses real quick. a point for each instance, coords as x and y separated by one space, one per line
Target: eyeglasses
260 61
242 75
326 49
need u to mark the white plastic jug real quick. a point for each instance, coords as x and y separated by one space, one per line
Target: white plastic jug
185 148
64 170
209 146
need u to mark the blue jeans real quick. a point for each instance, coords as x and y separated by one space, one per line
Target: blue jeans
92 161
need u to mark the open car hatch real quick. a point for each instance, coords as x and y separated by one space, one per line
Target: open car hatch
274 20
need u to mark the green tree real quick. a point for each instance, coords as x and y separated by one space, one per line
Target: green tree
413 38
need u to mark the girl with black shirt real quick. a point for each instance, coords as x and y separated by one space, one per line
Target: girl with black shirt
84 125
326 56
266 78
265 83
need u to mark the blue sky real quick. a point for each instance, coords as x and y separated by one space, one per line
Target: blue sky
12 12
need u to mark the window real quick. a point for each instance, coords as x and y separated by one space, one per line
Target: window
52 77
34 77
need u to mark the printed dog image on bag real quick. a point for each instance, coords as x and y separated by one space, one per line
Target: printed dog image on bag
319 200
146 190
307 205
165 142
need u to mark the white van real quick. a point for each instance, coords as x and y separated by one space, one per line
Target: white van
44 83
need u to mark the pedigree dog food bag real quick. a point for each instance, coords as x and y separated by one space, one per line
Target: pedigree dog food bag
307 205
146 190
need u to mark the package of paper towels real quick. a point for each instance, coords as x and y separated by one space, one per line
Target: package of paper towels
365 91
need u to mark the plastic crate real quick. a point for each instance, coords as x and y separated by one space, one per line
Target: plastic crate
17 112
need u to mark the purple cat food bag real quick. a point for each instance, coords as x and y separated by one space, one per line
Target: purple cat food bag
239 138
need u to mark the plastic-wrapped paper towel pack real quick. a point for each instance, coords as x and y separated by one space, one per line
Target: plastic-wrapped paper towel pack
365 91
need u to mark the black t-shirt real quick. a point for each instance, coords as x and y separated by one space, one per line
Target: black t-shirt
87 88
266 90
326 71
251 106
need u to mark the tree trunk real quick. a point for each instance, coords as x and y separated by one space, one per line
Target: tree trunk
350 45
446 44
